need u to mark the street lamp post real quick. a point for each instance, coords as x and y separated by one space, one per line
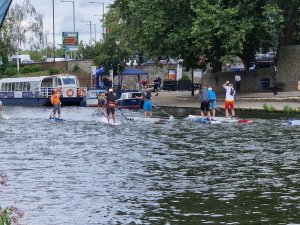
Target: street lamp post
90 23
53 27
95 29
73 12
103 6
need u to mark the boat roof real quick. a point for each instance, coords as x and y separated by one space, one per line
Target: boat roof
32 79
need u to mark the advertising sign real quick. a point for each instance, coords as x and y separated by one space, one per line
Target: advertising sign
70 41
172 75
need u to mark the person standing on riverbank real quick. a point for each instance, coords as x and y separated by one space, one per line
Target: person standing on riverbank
237 79
212 101
147 99
204 105
56 104
229 99
111 105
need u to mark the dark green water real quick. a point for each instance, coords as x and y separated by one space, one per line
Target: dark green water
181 172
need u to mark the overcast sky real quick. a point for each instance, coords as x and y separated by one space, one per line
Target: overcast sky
84 11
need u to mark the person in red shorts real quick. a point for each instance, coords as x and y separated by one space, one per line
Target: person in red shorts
229 99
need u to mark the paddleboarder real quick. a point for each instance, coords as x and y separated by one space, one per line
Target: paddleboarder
56 104
111 105
229 99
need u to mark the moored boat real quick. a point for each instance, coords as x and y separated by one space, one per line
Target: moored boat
90 100
36 91
129 100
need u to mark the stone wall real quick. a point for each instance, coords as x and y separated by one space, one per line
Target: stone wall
252 81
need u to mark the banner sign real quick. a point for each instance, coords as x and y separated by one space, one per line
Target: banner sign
4 6
70 41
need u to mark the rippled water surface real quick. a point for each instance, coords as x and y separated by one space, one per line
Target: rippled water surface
181 172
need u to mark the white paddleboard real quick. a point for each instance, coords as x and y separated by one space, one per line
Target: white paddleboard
293 122
104 120
214 120
56 120
150 119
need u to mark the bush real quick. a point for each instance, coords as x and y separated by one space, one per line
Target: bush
185 77
53 71
269 108
26 69
36 68
76 68
10 71
289 110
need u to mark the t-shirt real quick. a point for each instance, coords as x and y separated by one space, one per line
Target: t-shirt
55 99
204 95
211 94
229 97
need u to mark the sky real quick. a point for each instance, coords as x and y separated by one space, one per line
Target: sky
84 11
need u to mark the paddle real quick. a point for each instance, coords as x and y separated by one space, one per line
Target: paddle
170 116
234 117
130 119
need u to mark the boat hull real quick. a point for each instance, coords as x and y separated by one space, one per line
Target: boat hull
39 101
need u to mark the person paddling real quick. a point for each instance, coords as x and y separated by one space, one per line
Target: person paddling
111 105
212 101
101 102
56 104
229 99
204 102
147 99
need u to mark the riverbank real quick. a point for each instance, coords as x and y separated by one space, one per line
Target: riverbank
243 101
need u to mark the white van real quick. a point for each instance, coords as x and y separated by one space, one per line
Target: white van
24 59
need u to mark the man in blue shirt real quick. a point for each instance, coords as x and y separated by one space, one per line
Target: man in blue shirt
213 101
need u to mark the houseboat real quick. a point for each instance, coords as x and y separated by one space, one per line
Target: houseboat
36 91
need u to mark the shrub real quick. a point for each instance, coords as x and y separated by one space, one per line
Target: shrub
10 71
185 77
76 68
36 68
53 71
269 108
289 110
26 69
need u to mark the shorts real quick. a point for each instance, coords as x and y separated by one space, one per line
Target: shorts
229 104
110 109
101 102
212 105
147 106
56 108
205 106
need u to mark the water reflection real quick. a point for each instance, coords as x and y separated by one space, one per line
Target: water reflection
83 172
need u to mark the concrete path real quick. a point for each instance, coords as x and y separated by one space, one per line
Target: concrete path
242 101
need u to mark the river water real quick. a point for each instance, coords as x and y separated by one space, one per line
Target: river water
81 172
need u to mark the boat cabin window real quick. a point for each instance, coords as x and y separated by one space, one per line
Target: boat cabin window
47 82
69 81
15 86
135 95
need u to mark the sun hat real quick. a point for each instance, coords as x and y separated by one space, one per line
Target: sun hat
110 90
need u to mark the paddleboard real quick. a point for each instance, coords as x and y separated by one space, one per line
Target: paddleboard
56 120
151 119
293 122
104 120
217 120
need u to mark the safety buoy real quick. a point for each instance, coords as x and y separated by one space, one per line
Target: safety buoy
70 92
81 92
58 91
